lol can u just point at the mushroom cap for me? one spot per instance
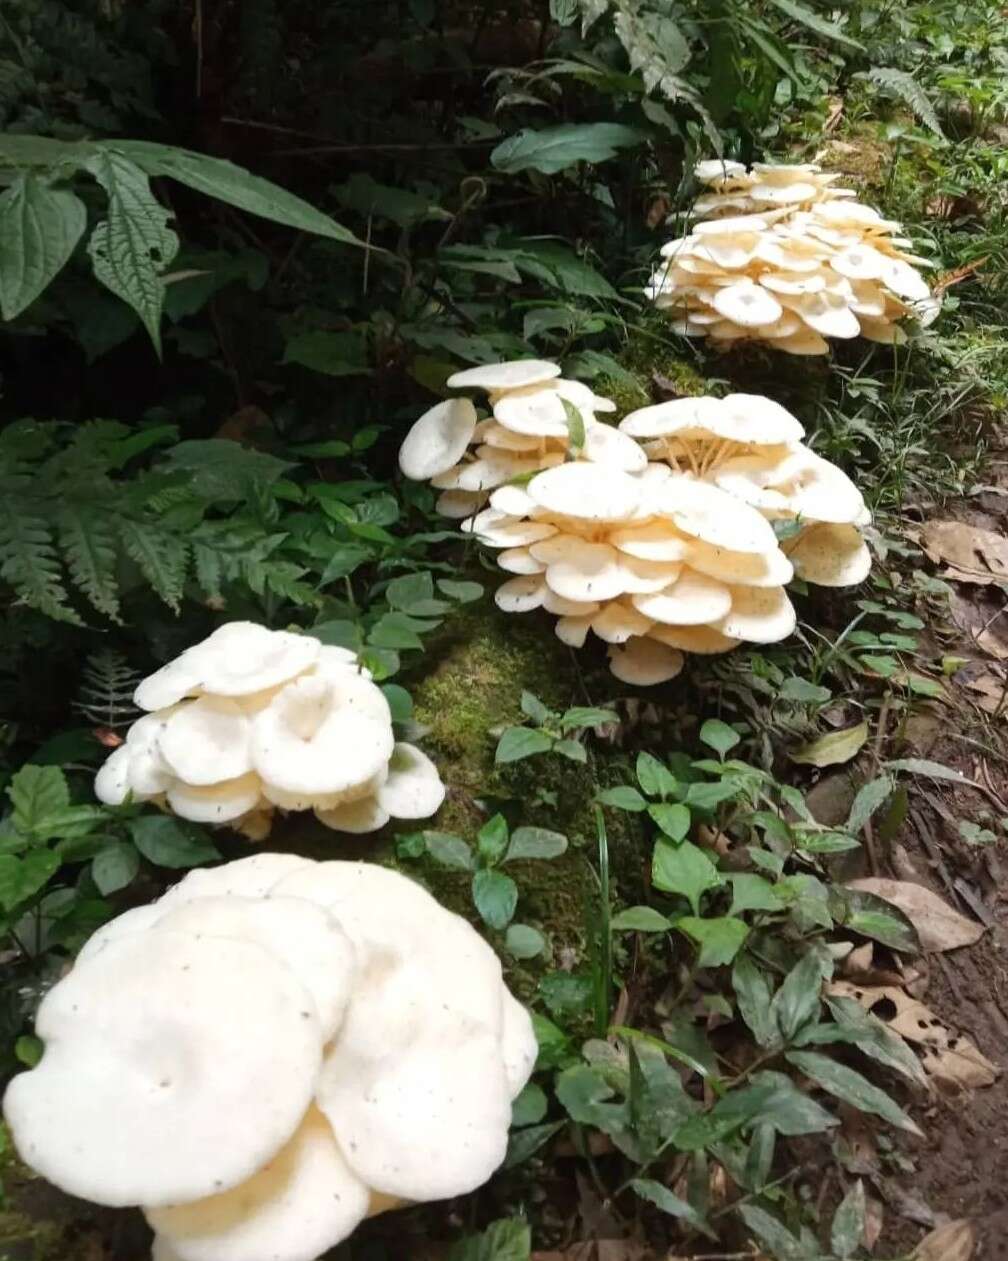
(561, 606)
(572, 631)
(830, 555)
(520, 595)
(363, 814)
(760, 615)
(692, 600)
(493, 468)
(655, 540)
(587, 492)
(157, 1085)
(609, 446)
(323, 735)
(757, 419)
(512, 501)
(710, 514)
(514, 374)
(826, 313)
(586, 572)
(818, 490)
(518, 1043)
(136, 920)
(747, 304)
(519, 560)
(496, 528)
(617, 622)
(304, 1202)
(207, 740)
(149, 773)
(457, 504)
(507, 440)
(111, 785)
(644, 662)
(296, 932)
(702, 640)
(438, 439)
(683, 417)
(237, 659)
(745, 569)
(214, 803)
(540, 413)
(583, 396)
(805, 342)
(715, 169)
(413, 789)
(251, 877)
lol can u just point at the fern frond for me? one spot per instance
(162, 558)
(29, 562)
(106, 691)
(904, 86)
(87, 537)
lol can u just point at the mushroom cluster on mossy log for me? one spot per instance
(251, 721)
(269, 1054)
(661, 536)
(781, 255)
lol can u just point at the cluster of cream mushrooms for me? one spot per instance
(781, 255)
(273, 1051)
(659, 535)
(251, 721)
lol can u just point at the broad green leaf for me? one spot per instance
(874, 1037)
(825, 842)
(797, 689)
(19, 150)
(565, 993)
(492, 839)
(640, 919)
(751, 892)
(496, 897)
(833, 749)
(39, 230)
(796, 1003)
(21, 878)
(523, 1144)
(169, 842)
(718, 736)
(872, 916)
(684, 869)
(529, 1107)
(114, 867)
(759, 1158)
(774, 1235)
(788, 1110)
(571, 749)
(133, 245)
(870, 796)
(506, 1240)
(414, 594)
(554, 149)
(752, 996)
(532, 707)
(821, 26)
(720, 939)
(533, 842)
(622, 798)
(586, 1096)
(847, 1230)
(850, 1087)
(575, 427)
(517, 743)
(232, 184)
(586, 716)
(554, 1045)
(661, 1197)
(921, 766)
(702, 796)
(37, 792)
(463, 592)
(655, 779)
(400, 702)
(448, 850)
(524, 942)
(333, 354)
(673, 820)
(399, 631)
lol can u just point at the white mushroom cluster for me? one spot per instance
(781, 255)
(269, 1054)
(250, 721)
(676, 532)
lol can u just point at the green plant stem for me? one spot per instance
(603, 979)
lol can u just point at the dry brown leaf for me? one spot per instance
(874, 1220)
(955, 1241)
(989, 692)
(938, 925)
(948, 1057)
(971, 553)
(859, 961)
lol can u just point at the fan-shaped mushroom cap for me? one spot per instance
(207, 740)
(413, 789)
(781, 282)
(747, 304)
(818, 490)
(826, 313)
(761, 615)
(617, 622)
(507, 440)
(753, 418)
(512, 501)
(214, 803)
(519, 1048)
(746, 569)
(494, 468)
(586, 492)
(519, 560)
(495, 528)
(438, 439)
(363, 814)
(642, 577)
(295, 931)
(572, 631)
(305, 1201)
(540, 413)
(805, 342)
(582, 396)
(149, 773)
(237, 659)
(561, 606)
(644, 662)
(732, 227)
(586, 572)
(655, 540)
(136, 920)
(707, 513)
(207, 1099)
(716, 169)
(692, 600)
(702, 640)
(514, 374)
(682, 417)
(830, 555)
(608, 446)
(251, 877)
(520, 595)
(323, 735)
(111, 784)
(457, 504)
(882, 331)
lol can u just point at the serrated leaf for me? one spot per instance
(850, 1087)
(529, 1107)
(87, 536)
(683, 869)
(905, 86)
(133, 245)
(554, 149)
(821, 26)
(586, 716)
(39, 229)
(36, 793)
(169, 842)
(521, 742)
(161, 557)
(506, 1240)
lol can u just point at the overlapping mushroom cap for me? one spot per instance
(272, 1052)
(783, 256)
(658, 536)
(253, 720)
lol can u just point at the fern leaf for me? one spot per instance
(162, 558)
(106, 692)
(909, 91)
(29, 562)
(87, 537)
